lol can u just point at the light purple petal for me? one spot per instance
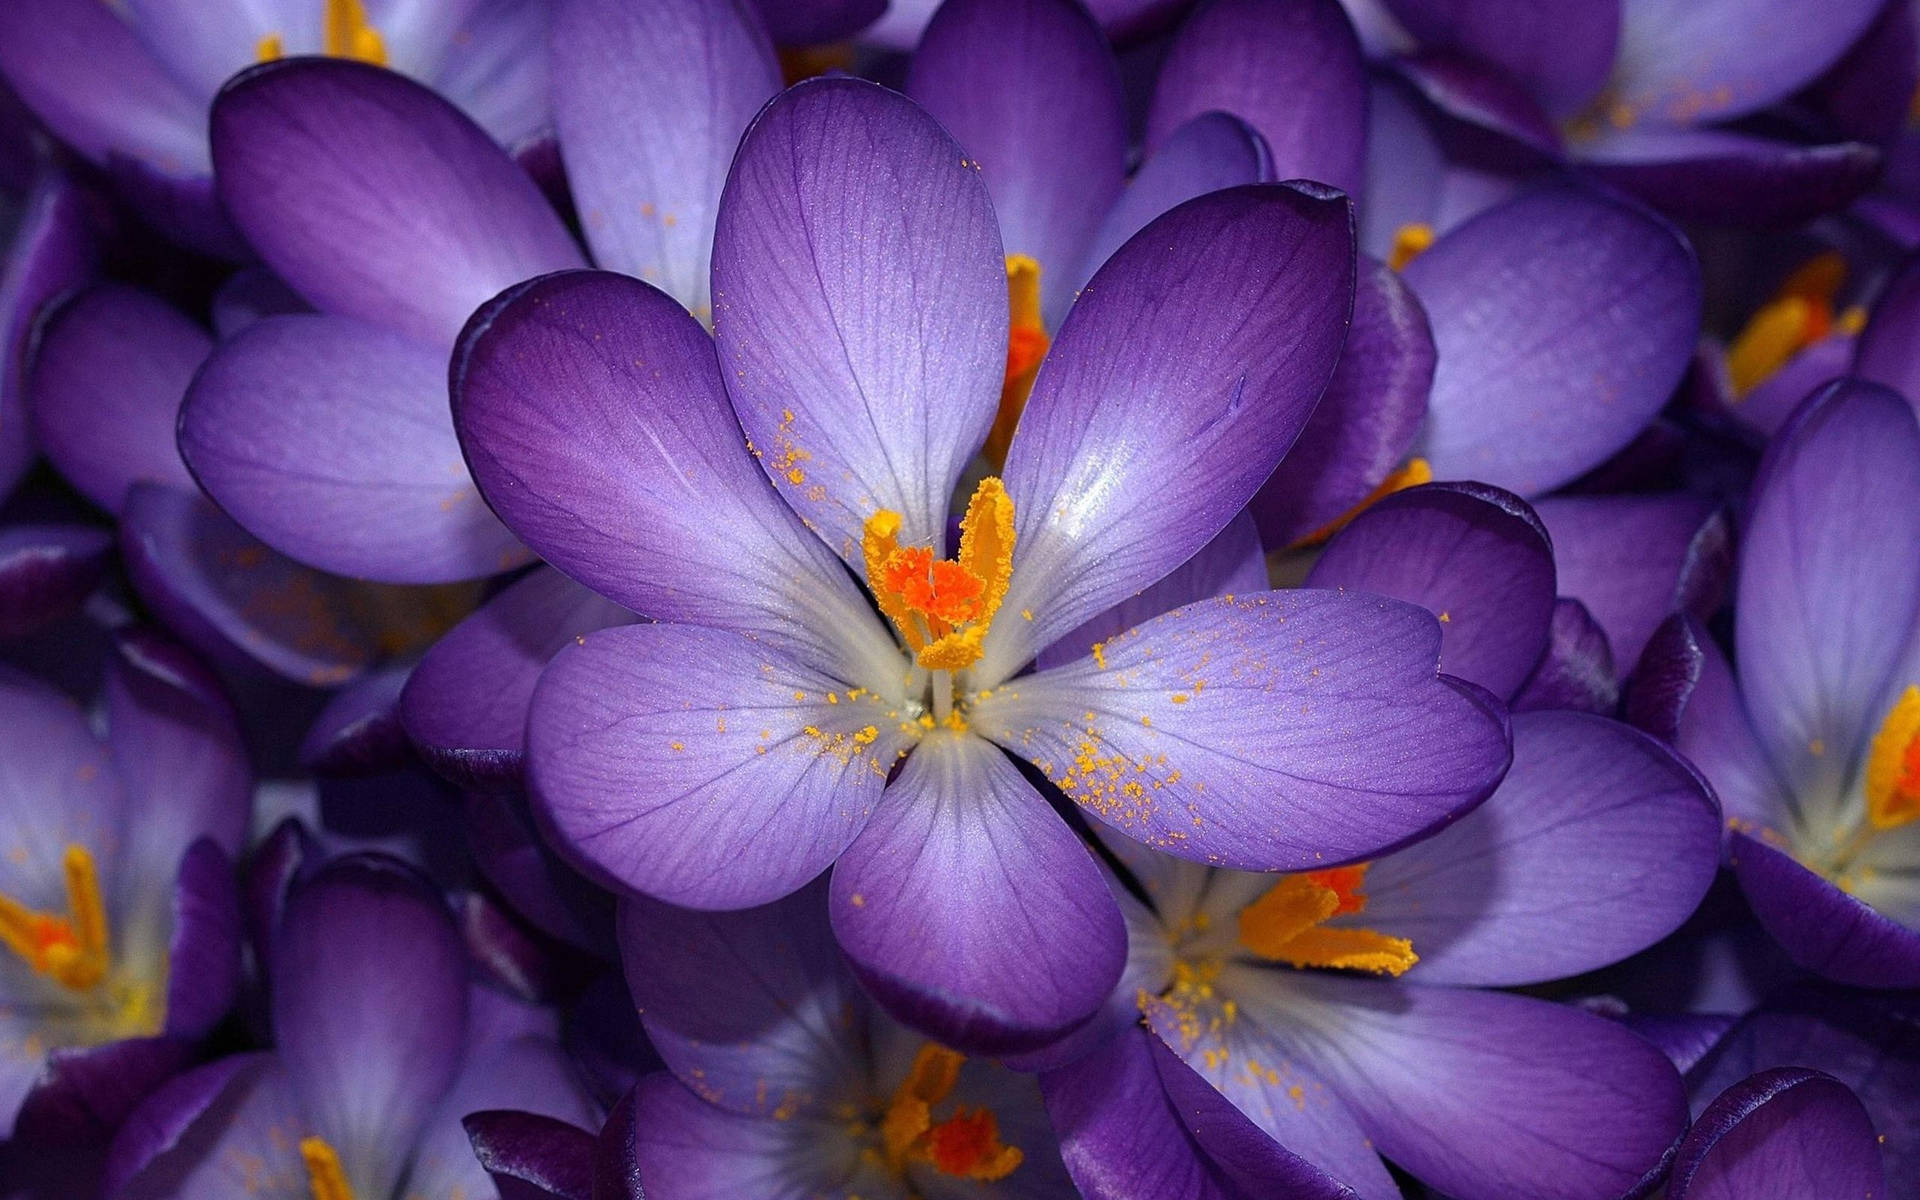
(47, 572)
(1777, 1135)
(1476, 557)
(488, 67)
(1577, 670)
(1562, 55)
(1706, 720)
(1727, 176)
(1039, 942)
(860, 307)
(1821, 927)
(376, 199)
(1469, 91)
(1563, 320)
(1291, 68)
(532, 1074)
(650, 100)
(211, 1135)
(1598, 843)
(56, 788)
(591, 410)
(1270, 731)
(687, 1149)
(1031, 92)
(329, 439)
(1222, 320)
(701, 767)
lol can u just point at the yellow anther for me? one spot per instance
(269, 48)
(324, 1174)
(943, 607)
(1799, 314)
(348, 34)
(966, 1145)
(1416, 472)
(1893, 765)
(1287, 924)
(72, 948)
(1410, 241)
(1027, 345)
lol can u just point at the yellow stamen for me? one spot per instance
(1893, 765)
(1799, 314)
(72, 949)
(1410, 241)
(1027, 344)
(1287, 924)
(804, 62)
(943, 607)
(269, 48)
(1416, 472)
(966, 1145)
(348, 34)
(324, 1174)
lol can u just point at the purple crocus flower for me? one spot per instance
(1814, 743)
(128, 85)
(381, 1046)
(730, 753)
(787, 1081)
(119, 915)
(1598, 843)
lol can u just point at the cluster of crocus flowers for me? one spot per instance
(959, 599)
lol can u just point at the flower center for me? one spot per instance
(345, 32)
(1027, 344)
(1288, 924)
(943, 607)
(325, 1176)
(1799, 314)
(966, 1145)
(70, 948)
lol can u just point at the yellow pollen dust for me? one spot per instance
(1416, 472)
(1799, 314)
(1410, 241)
(70, 948)
(966, 1145)
(1288, 924)
(1027, 344)
(1893, 765)
(345, 32)
(324, 1174)
(943, 607)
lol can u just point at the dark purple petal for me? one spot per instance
(1291, 68)
(1223, 320)
(701, 767)
(616, 1167)
(533, 1156)
(376, 199)
(1781, 1134)
(1270, 731)
(1770, 402)
(1037, 945)
(359, 732)
(1888, 349)
(1860, 96)
(1725, 176)
(1561, 55)
(465, 704)
(1685, 692)
(215, 1134)
(531, 878)
(1632, 560)
(84, 1093)
(1466, 89)
(164, 1129)
(248, 295)
(634, 479)
(1563, 320)
(203, 958)
(1577, 670)
(1685, 1038)
(1597, 844)
(810, 22)
(529, 1071)
(1474, 556)
(1030, 91)
(647, 147)
(51, 251)
(1823, 928)
(47, 572)
(860, 307)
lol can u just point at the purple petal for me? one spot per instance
(1770, 402)
(248, 295)
(811, 22)
(1474, 556)
(1106, 503)
(1291, 68)
(621, 475)
(647, 147)
(1829, 587)
(1632, 560)
(860, 307)
(1406, 163)
(358, 732)
(376, 199)
(1031, 92)
(687, 1149)
(1709, 722)
(1821, 927)
(370, 1004)
(1888, 351)
(84, 1093)
(108, 376)
(616, 1165)
(1577, 670)
(702, 767)
(203, 959)
(491, 67)
(1780, 1134)
(1598, 843)
(1722, 175)
(1367, 421)
(754, 1008)
(1270, 731)
(465, 704)
(529, 1072)
(329, 439)
(530, 876)
(47, 572)
(50, 251)
(1563, 319)
(1471, 92)
(538, 1155)
(1562, 56)
(56, 788)
(1685, 62)
(213, 1134)
(1039, 943)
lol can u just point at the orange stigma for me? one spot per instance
(1893, 765)
(943, 607)
(1288, 924)
(1410, 241)
(1799, 314)
(70, 948)
(966, 1145)
(345, 32)
(325, 1177)
(1027, 344)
